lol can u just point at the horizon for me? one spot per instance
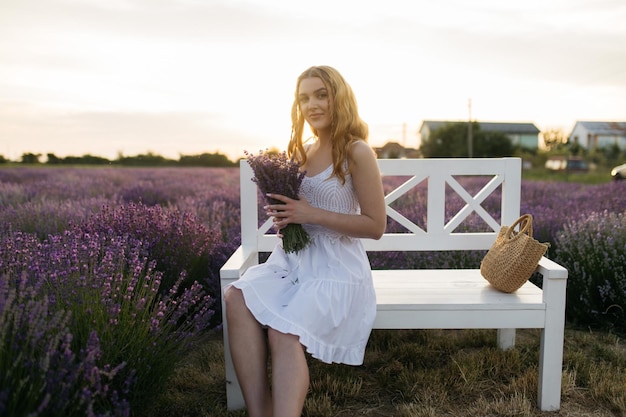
(231, 158)
(187, 77)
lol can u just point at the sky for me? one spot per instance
(184, 77)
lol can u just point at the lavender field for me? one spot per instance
(108, 276)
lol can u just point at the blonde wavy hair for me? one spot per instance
(346, 124)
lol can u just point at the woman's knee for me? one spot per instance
(233, 299)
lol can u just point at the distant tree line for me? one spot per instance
(143, 160)
(451, 141)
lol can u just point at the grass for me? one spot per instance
(598, 176)
(428, 373)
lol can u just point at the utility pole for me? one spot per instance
(404, 134)
(470, 146)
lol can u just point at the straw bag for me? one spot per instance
(513, 257)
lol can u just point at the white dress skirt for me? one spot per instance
(323, 294)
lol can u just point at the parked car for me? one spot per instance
(619, 172)
(571, 164)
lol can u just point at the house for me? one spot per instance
(593, 135)
(521, 134)
(393, 150)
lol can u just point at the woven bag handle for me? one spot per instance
(525, 223)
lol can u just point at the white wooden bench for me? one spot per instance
(437, 298)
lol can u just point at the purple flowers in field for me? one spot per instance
(109, 276)
(101, 301)
(97, 310)
(594, 248)
(42, 373)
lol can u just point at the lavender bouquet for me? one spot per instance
(277, 174)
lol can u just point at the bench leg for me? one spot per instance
(506, 338)
(234, 397)
(550, 370)
(551, 349)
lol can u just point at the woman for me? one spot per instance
(320, 298)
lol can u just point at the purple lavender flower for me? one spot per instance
(277, 174)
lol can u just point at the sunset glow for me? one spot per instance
(191, 76)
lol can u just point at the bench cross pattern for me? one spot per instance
(437, 298)
(437, 199)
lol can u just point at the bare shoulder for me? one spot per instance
(363, 161)
(361, 151)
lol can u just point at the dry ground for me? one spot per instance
(429, 373)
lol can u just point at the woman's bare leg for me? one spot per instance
(290, 374)
(248, 348)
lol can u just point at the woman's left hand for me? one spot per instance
(292, 211)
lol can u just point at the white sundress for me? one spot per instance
(324, 294)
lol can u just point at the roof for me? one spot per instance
(392, 146)
(526, 128)
(605, 128)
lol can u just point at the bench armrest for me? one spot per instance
(236, 265)
(550, 269)
(554, 284)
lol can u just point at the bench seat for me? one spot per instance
(452, 299)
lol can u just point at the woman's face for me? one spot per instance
(315, 103)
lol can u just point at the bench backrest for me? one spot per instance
(466, 201)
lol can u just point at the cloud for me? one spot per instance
(174, 20)
(572, 42)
